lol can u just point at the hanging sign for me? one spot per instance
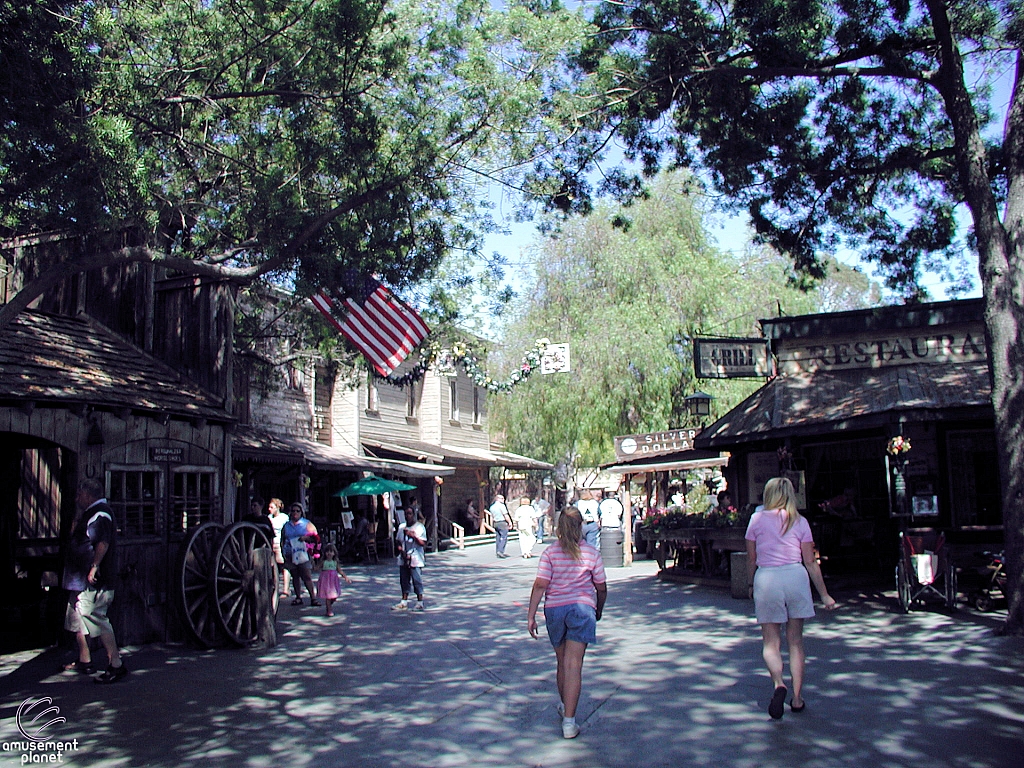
(628, 447)
(731, 358)
(555, 359)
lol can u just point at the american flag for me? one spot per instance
(380, 325)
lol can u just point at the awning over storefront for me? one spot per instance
(255, 445)
(821, 402)
(679, 462)
(461, 455)
(252, 444)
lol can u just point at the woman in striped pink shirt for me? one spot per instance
(570, 577)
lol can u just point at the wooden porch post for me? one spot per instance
(627, 521)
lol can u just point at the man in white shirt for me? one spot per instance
(501, 520)
(611, 512)
(412, 537)
(542, 507)
(588, 508)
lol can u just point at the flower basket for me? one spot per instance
(666, 521)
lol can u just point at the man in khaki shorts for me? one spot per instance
(89, 577)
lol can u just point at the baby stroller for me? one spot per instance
(993, 581)
(924, 569)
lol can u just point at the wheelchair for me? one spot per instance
(925, 569)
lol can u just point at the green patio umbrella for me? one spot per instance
(374, 486)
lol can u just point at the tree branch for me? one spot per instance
(203, 268)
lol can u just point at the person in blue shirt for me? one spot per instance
(294, 536)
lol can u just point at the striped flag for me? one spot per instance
(380, 325)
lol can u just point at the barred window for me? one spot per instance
(193, 499)
(134, 495)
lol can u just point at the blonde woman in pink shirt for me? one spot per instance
(780, 566)
(570, 577)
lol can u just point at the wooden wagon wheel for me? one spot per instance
(234, 582)
(197, 557)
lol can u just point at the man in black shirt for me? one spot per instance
(89, 577)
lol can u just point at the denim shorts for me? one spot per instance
(571, 622)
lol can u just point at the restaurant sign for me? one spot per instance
(630, 447)
(954, 346)
(731, 358)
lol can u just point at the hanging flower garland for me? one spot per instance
(531, 361)
(461, 354)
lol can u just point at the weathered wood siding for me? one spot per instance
(194, 332)
(345, 417)
(463, 432)
(49, 438)
(431, 406)
(457, 488)
(389, 421)
(282, 411)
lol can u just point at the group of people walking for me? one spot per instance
(529, 518)
(570, 580)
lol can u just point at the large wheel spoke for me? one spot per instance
(194, 592)
(233, 584)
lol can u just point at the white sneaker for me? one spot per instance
(570, 730)
(401, 605)
(419, 606)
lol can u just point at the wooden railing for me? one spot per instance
(453, 531)
(486, 522)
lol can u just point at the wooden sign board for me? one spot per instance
(173, 455)
(731, 358)
(555, 359)
(630, 447)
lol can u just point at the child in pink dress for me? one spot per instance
(329, 586)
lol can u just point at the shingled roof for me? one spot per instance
(821, 402)
(64, 360)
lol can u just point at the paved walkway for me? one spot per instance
(675, 680)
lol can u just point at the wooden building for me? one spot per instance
(853, 386)
(121, 373)
(307, 431)
(441, 418)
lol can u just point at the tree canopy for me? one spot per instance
(630, 301)
(309, 137)
(866, 122)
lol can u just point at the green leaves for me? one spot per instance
(298, 138)
(823, 120)
(629, 303)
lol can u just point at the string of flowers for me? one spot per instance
(461, 354)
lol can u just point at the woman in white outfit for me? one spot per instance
(526, 518)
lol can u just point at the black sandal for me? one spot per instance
(775, 708)
(315, 603)
(297, 601)
(82, 667)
